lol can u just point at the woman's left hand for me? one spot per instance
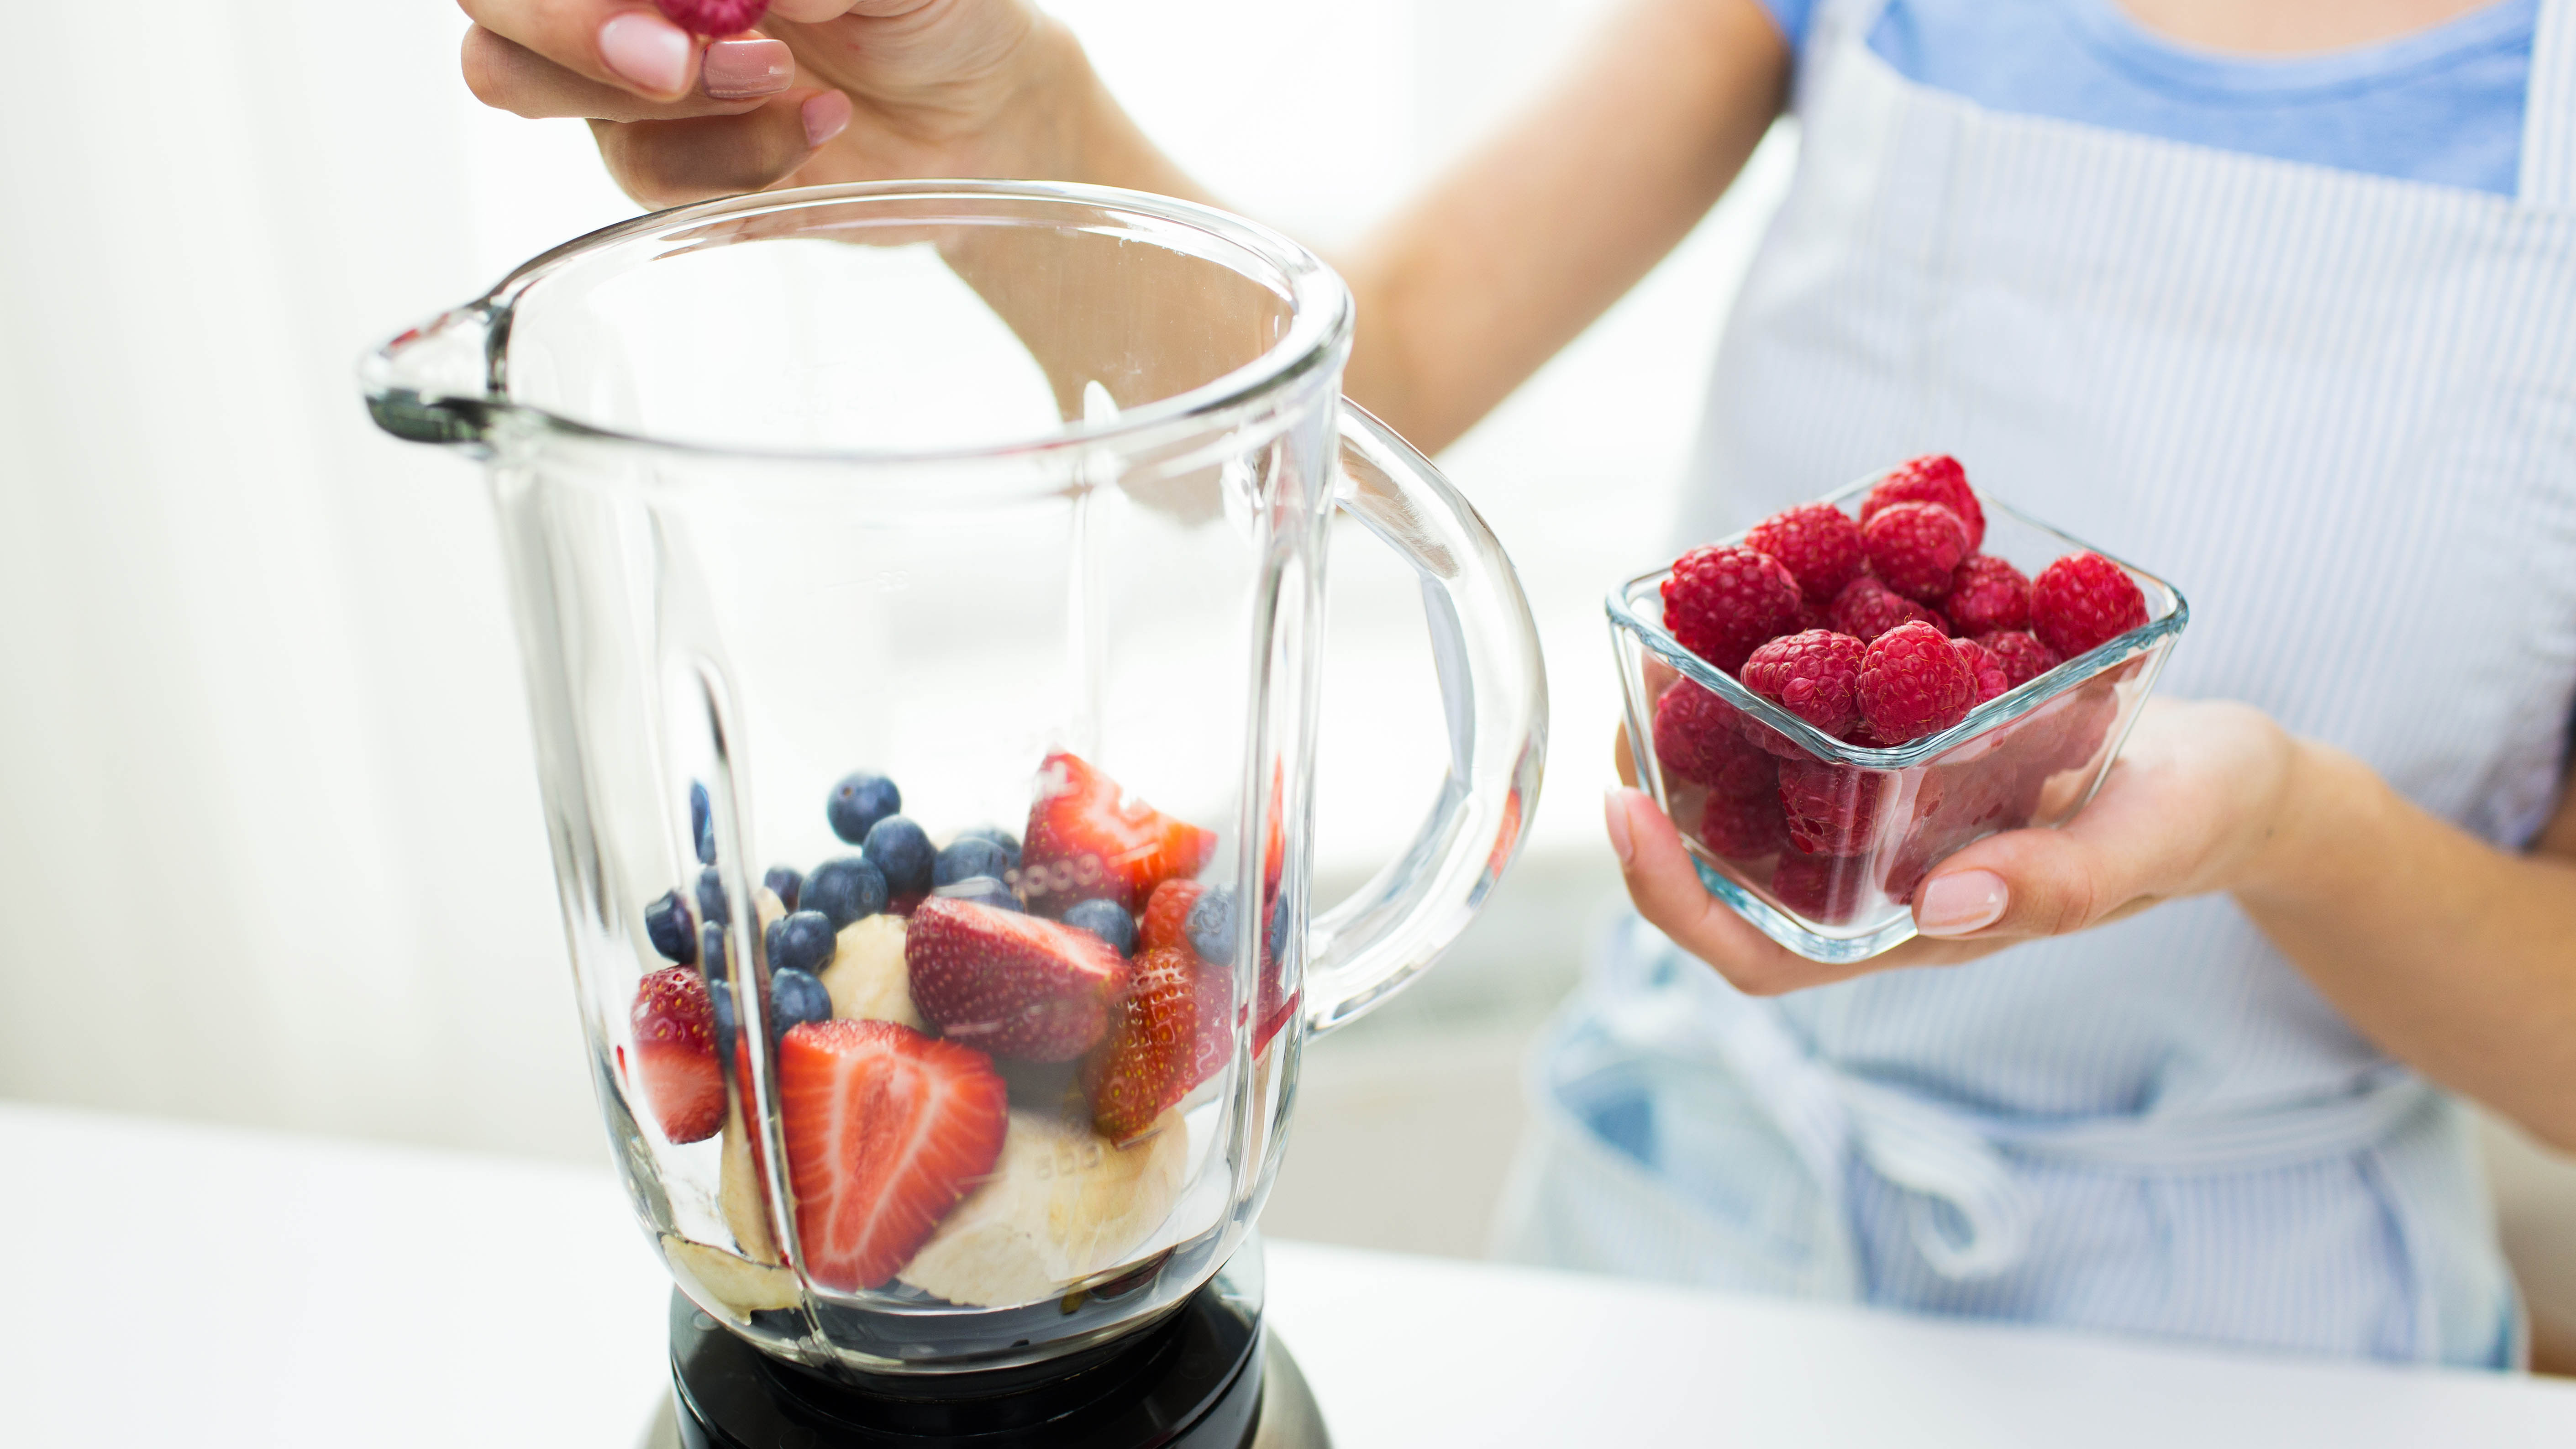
(2189, 808)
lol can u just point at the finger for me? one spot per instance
(619, 43)
(1666, 889)
(2100, 866)
(736, 76)
(813, 11)
(1625, 760)
(667, 163)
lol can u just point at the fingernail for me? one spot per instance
(1614, 815)
(647, 50)
(737, 70)
(826, 116)
(1960, 902)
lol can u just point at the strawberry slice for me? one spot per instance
(1087, 840)
(675, 1054)
(1172, 1030)
(1016, 985)
(1166, 918)
(887, 1131)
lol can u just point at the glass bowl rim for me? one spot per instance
(2004, 708)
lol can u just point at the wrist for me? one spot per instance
(2320, 826)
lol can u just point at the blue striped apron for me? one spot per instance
(2340, 411)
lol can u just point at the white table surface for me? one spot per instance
(173, 1284)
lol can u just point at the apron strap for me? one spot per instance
(2549, 111)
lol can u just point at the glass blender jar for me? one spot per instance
(920, 587)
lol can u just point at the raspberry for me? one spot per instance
(1723, 602)
(1816, 542)
(1697, 738)
(1932, 478)
(712, 18)
(1913, 548)
(2024, 658)
(1823, 888)
(1743, 829)
(1831, 809)
(1812, 615)
(1913, 683)
(1867, 608)
(1810, 675)
(1987, 594)
(1988, 671)
(2082, 600)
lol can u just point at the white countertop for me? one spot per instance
(178, 1284)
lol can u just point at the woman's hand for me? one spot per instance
(830, 90)
(2193, 805)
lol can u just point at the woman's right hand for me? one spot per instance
(825, 91)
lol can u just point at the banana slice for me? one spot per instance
(738, 1194)
(867, 977)
(1063, 1203)
(741, 1286)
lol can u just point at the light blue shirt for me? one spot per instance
(2444, 105)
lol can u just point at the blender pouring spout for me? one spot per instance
(439, 382)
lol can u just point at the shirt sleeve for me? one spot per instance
(1792, 17)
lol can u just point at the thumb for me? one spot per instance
(668, 163)
(2023, 883)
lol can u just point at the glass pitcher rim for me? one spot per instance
(1319, 301)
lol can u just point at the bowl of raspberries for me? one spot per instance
(1831, 702)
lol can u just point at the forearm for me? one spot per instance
(1478, 282)
(2453, 955)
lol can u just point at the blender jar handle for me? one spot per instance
(433, 384)
(1493, 687)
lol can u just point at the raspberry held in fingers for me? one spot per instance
(712, 18)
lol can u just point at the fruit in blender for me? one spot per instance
(1086, 840)
(785, 882)
(1012, 984)
(1059, 1205)
(1105, 920)
(796, 997)
(1153, 1054)
(845, 890)
(670, 927)
(868, 978)
(800, 941)
(675, 1054)
(858, 802)
(1165, 919)
(887, 1130)
(902, 853)
(967, 857)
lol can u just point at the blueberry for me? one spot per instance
(800, 942)
(1107, 920)
(845, 890)
(711, 951)
(702, 824)
(1010, 843)
(1211, 927)
(901, 850)
(720, 996)
(983, 890)
(784, 882)
(1279, 928)
(967, 857)
(674, 932)
(795, 997)
(711, 898)
(858, 803)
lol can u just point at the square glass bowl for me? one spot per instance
(2031, 756)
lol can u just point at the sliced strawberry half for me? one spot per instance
(887, 1131)
(1172, 1031)
(1165, 920)
(1011, 984)
(675, 1054)
(1087, 840)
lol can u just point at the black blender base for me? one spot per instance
(1207, 1378)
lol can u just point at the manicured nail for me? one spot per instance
(647, 50)
(826, 116)
(1960, 902)
(1614, 815)
(737, 70)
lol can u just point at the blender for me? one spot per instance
(920, 588)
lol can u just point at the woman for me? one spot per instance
(2274, 295)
